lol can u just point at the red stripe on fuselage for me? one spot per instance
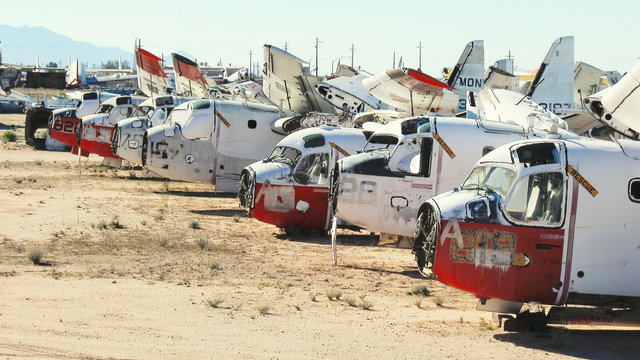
(512, 263)
(276, 204)
(97, 139)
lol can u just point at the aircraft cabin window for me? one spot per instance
(313, 169)
(537, 198)
(538, 154)
(252, 124)
(634, 190)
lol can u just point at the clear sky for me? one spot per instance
(605, 31)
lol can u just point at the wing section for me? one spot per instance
(619, 105)
(412, 91)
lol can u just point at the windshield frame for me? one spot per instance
(475, 185)
(277, 155)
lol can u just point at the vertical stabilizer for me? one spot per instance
(189, 79)
(552, 86)
(288, 81)
(468, 73)
(152, 80)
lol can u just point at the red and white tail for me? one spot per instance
(152, 80)
(189, 79)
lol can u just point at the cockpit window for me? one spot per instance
(286, 155)
(313, 169)
(381, 142)
(537, 198)
(158, 117)
(538, 154)
(104, 109)
(492, 178)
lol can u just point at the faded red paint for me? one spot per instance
(487, 277)
(314, 218)
(101, 143)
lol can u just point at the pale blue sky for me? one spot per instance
(604, 31)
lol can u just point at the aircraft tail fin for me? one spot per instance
(287, 78)
(151, 78)
(468, 73)
(188, 77)
(500, 76)
(552, 86)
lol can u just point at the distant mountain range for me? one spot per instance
(20, 45)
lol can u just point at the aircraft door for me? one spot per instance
(311, 178)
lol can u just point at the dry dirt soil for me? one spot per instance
(139, 268)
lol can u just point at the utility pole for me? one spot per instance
(420, 47)
(316, 57)
(394, 60)
(250, 63)
(286, 48)
(352, 50)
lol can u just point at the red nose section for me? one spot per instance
(503, 262)
(97, 139)
(64, 130)
(292, 206)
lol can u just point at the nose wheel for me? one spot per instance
(244, 190)
(426, 235)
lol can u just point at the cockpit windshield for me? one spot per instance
(285, 154)
(104, 109)
(492, 178)
(158, 117)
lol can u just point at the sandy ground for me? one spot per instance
(127, 274)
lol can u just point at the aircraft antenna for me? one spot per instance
(420, 47)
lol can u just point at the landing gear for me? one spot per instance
(424, 246)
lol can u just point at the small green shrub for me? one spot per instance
(350, 300)
(313, 296)
(163, 242)
(215, 302)
(18, 180)
(214, 265)
(202, 243)
(438, 300)
(9, 136)
(264, 309)
(418, 303)
(102, 225)
(35, 256)
(419, 290)
(115, 223)
(333, 293)
(365, 305)
(194, 224)
(236, 218)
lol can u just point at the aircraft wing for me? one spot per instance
(512, 107)
(288, 82)
(152, 80)
(189, 78)
(412, 91)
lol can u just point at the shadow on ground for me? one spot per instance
(580, 343)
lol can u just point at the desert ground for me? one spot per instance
(133, 267)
